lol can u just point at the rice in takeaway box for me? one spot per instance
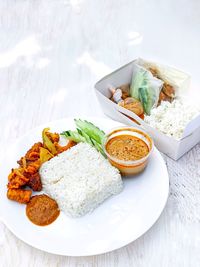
(152, 95)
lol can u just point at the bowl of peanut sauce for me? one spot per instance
(128, 149)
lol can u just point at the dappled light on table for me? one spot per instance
(26, 48)
(135, 38)
(96, 67)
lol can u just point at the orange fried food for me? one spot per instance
(32, 154)
(164, 97)
(19, 195)
(16, 178)
(32, 168)
(35, 182)
(61, 149)
(168, 90)
(133, 105)
(31, 172)
(27, 174)
(34, 148)
(54, 137)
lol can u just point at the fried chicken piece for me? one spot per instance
(31, 172)
(19, 195)
(168, 90)
(164, 97)
(22, 162)
(34, 148)
(35, 182)
(32, 154)
(32, 168)
(125, 90)
(17, 179)
(133, 105)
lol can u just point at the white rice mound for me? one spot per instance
(79, 179)
(172, 118)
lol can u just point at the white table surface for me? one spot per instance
(51, 54)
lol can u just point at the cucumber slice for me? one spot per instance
(88, 133)
(74, 136)
(91, 130)
(87, 138)
(98, 147)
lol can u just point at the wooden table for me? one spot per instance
(51, 54)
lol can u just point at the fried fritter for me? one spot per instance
(35, 182)
(19, 195)
(32, 168)
(16, 178)
(32, 154)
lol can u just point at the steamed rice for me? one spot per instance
(79, 179)
(172, 118)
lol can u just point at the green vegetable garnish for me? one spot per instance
(90, 129)
(144, 98)
(74, 136)
(88, 133)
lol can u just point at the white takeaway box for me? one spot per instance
(168, 145)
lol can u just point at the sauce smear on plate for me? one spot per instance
(42, 210)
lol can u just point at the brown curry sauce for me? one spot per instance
(42, 210)
(127, 147)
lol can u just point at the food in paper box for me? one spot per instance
(146, 88)
(153, 95)
(127, 102)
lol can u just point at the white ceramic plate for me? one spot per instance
(118, 221)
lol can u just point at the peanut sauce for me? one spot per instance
(42, 210)
(127, 147)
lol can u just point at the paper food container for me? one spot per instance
(170, 146)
